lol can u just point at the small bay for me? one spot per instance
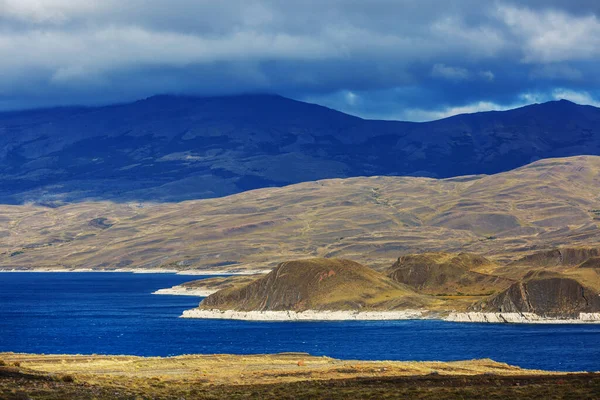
(115, 313)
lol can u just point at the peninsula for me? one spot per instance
(453, 287)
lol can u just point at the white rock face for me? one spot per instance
(309, 315)
(520, 318)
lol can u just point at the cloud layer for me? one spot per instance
(406, 59)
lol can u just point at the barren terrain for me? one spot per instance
(544, 205)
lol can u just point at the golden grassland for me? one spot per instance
(370, 220)
(245, 369)
(287, 375)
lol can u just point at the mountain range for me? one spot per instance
(173, 148)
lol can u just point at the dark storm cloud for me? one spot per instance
(415, 59)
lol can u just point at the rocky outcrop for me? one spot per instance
(446, 273)
(593, 262)
(544, 294)
(317, 284)
(568, 256)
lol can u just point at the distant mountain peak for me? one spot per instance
(175, 97)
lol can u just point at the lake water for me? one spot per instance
(115, 313)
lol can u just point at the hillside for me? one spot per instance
(447, 274)
(504, 217)
(169, 148)
(207, 286)
(564, 256)
(546, 294)
(317, 284)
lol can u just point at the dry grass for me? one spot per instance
(370, 220)
(283, 376)
(318, 284)
(248, 369)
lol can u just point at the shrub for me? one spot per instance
(67, 378)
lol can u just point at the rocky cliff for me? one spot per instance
(545, 294)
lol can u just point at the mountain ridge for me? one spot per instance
(172, 148)
(373, 221)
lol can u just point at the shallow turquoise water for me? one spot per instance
(115, 313)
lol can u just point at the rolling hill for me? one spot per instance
(447, 274)
(317, 284)
(170, 148)
(545, 205)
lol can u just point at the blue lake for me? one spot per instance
(115, 313)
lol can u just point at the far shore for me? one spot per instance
(190, 272)
(183, 291)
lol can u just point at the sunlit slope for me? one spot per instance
(318, 284)
(448, 274)
(504, 217)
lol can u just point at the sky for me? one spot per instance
(390, 59)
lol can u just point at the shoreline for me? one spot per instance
(316, 315)
(309, 315)
(189, 272)
(520, 318)
(182, 291)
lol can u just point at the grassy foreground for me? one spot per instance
(280, 376)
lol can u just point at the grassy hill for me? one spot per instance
(317, 284)
(448, 274)
(563, 256)
(219, 282)
(504, 217)
(439, 282)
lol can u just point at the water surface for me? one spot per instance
(115, 313)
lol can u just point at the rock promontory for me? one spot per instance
(545, 294)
